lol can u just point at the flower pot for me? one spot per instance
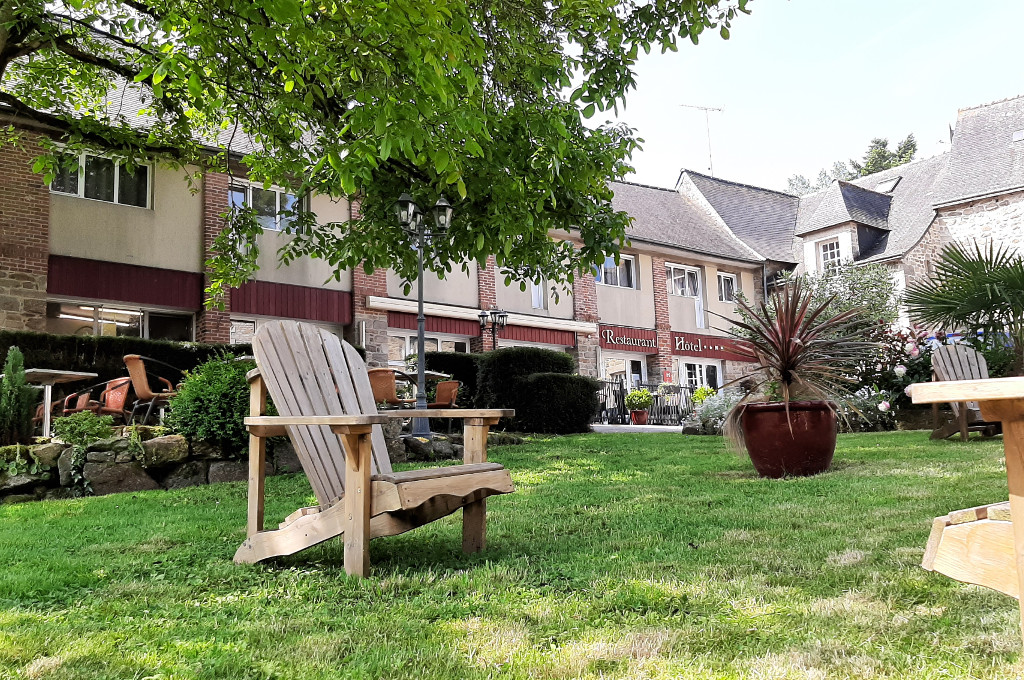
(638, 417)
(776, 450)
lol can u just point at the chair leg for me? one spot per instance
(962, 420)
(149, 412)
(474, 515)
(358, 454)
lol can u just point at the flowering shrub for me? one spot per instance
(702, 393)
(868, 410)
(715, 408)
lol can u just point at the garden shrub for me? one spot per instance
(556, 403)
(868, 410)
(17, 401)
(105, 354)
(460, 366)
(80, 430)
(212, 404)
(501, 371)
(701, 394)
(715, 409)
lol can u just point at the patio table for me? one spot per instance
(48, 377)
(1000, 399)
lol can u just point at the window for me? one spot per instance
(85, 318)
(694, 374)
(829, 254)
(270, 205)
(539, 293)
(402, 346)
(684, 281)
(103, 179)
(622, 274)
(727, 286)
(1018, 136)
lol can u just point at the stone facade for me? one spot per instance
(24, 237)
(998, 218)
(918, 261)
(214, 325)
(369, 326)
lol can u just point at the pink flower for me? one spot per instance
(906, 390)
(912, 350)
(884, 406)
(900, 370)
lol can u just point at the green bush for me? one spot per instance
(83, 428)
(556, 403)
(213, 403)
(639, 400)
(702, 393)
(502, 370)
(17, 401)
(104, 355)
(460, 366)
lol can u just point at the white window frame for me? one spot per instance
(725, 276)
(698, 298)
(627, 358)
(539, 294)
(410, 343)
(247, 186)
(823, 263)
(681, 371)
(634, 269)
(117, 180)
(96, 309)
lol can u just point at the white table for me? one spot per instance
(48, 377)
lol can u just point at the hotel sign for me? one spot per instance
(706, 346)
(642, 340)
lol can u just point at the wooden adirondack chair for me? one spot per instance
(959, 362)
(321, 390)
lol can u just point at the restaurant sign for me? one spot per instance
(641, 340)
(707, 346)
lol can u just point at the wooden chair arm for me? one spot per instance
(274, 426)
(464, 413)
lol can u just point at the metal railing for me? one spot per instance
(672, 403)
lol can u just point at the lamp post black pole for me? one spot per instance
(420, 426)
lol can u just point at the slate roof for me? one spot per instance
(984, 159)
(845, 202)
(762, 218)
(666, 217)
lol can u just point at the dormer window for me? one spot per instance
(886, 186)
(1018, 135)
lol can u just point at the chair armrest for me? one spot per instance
(464, 413)
(273, 426)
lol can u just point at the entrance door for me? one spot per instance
(636, 372)
(630, 369)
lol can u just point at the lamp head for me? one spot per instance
(484, 315)
(500, 317)
(442, 212)
(406, 209)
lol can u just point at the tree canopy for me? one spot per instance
(483, 101)
(878, 157)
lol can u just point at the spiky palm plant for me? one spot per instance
(974, 288)
(799, 352)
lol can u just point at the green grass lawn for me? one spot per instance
(619, 556)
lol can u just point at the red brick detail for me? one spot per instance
(24, 237)
(370, 326)
(656, 365)
(293, 302)
(214, 325)
(584, 298)
(487, 297)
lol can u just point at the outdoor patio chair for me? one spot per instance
(114, 398)
(80, 401)
(446, 394)
(385, 389)
(960, 362)
(145, 397)
(321, 389)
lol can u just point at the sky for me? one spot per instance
(803, 83)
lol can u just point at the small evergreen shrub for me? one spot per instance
(556, 403)
(701, 394)
(639, 400)
(213, 403)
(715, 409)
(17, 401)
(460, 366)
(83, 428)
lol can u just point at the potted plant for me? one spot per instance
(638, 401)
(803, 360)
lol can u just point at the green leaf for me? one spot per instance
(195, 87)
(588, 112)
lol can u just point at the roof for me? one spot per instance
(845, 202)
(984, 159)
(666, 217)
(762, 218)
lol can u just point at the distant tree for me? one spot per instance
(878, 157)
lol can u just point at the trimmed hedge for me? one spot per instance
(462, 367)
(105, 355)
(502, 369)
(556, 403)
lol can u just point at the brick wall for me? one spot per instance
(917, 263)
(24, 237)
(374, 322)
(656, 363)
(213, 325)
(487, 298)
(584, 308)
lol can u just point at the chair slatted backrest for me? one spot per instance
(309, 371)
(960, 362)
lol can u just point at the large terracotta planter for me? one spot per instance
(638, 417)
(776, 451)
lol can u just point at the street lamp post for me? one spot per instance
(411, 218)
(497, 318)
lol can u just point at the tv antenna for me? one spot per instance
(707, 124)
